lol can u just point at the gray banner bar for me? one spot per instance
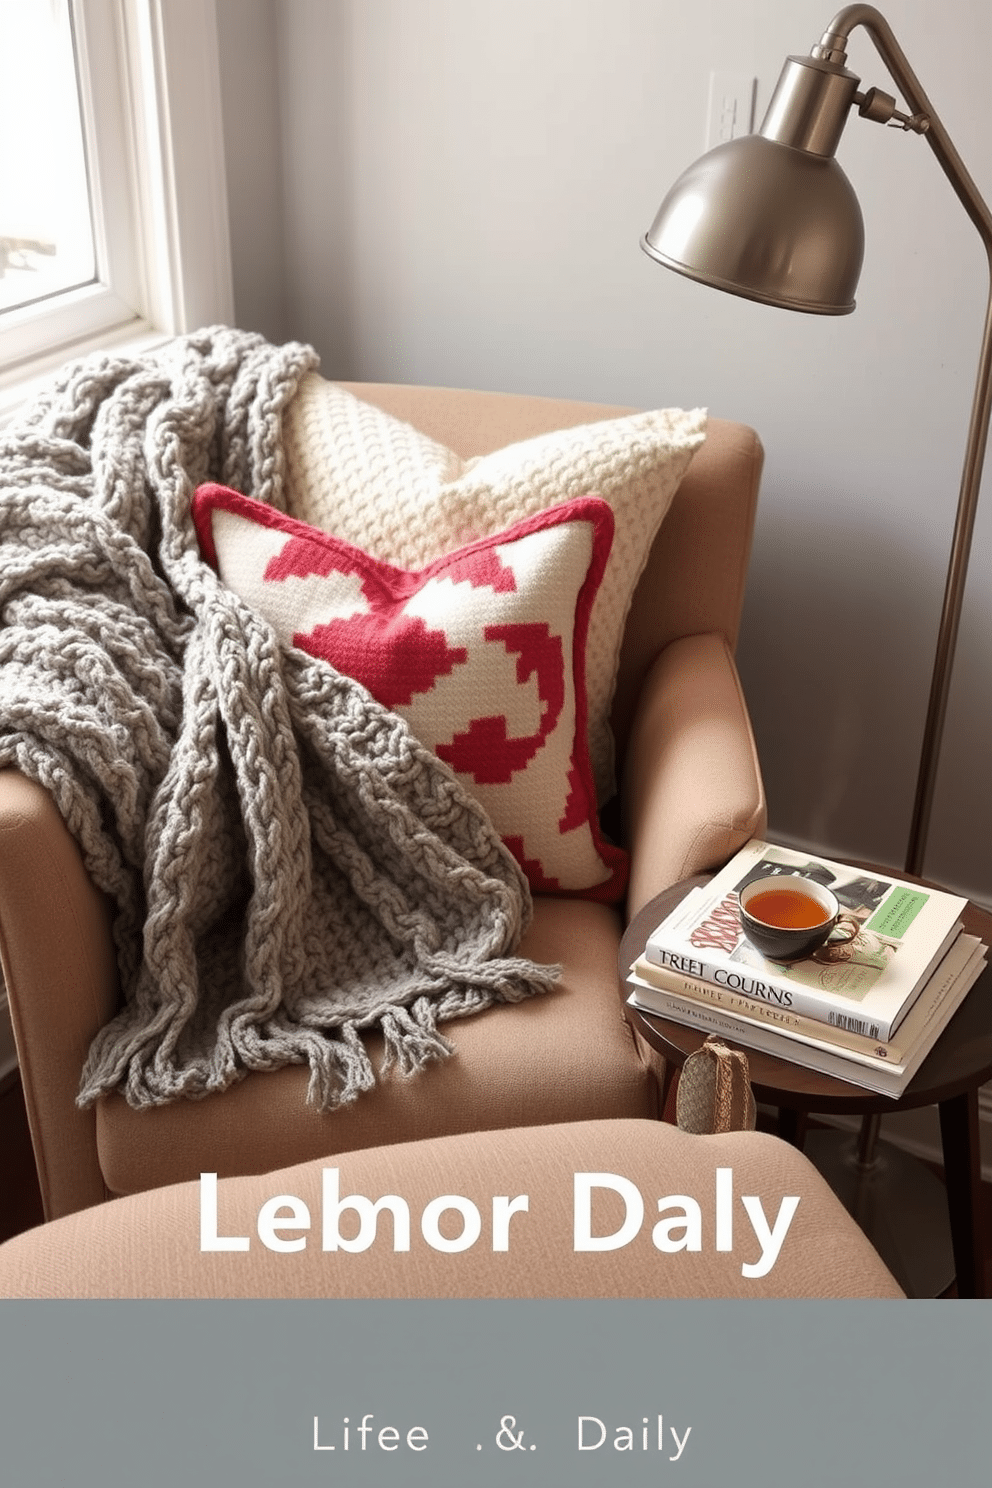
(455, 1394)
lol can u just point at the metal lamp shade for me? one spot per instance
(766, 221)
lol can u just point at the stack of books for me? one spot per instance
(868, 1010)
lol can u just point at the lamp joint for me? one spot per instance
(880, 108)
(832, 47)
(917, 123)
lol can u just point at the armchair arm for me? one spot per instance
(61, 975)
(691, 792)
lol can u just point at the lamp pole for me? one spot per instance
(772, 217)
(926, 122)
(833, 47)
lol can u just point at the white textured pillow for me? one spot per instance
(381, 485)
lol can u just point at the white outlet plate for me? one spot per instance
(731, 107)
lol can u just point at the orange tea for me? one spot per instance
(787, 909)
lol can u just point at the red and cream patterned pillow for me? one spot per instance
(381, 484)
(481, 651)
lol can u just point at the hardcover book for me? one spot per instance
(885, 1068)
(864, 986)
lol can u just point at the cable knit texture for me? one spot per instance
(388, 488)
(289, 865)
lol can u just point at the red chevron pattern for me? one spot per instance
(483, 653)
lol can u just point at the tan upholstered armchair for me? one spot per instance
(690, 794)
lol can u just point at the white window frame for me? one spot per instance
(150, 73)
(150, 81)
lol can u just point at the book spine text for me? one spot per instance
(805, 1001)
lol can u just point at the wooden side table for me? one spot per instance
(949, 1078)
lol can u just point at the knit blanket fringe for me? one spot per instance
(288, 866)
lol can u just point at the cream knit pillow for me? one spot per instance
(380, 484)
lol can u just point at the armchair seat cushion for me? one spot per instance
(565, 1056)
(147, 1245)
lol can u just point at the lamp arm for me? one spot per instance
(835, 40)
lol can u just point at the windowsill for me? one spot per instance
(21, 384)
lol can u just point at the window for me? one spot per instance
(113, 210)
(46, 228)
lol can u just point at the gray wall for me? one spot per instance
(452, 191)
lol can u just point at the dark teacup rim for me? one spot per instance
(779, 881)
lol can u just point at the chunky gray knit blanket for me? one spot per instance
(289, 865)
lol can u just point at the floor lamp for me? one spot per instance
(772, 217)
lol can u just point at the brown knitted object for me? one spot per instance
(714, 1092)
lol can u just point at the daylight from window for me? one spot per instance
(46, 235)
